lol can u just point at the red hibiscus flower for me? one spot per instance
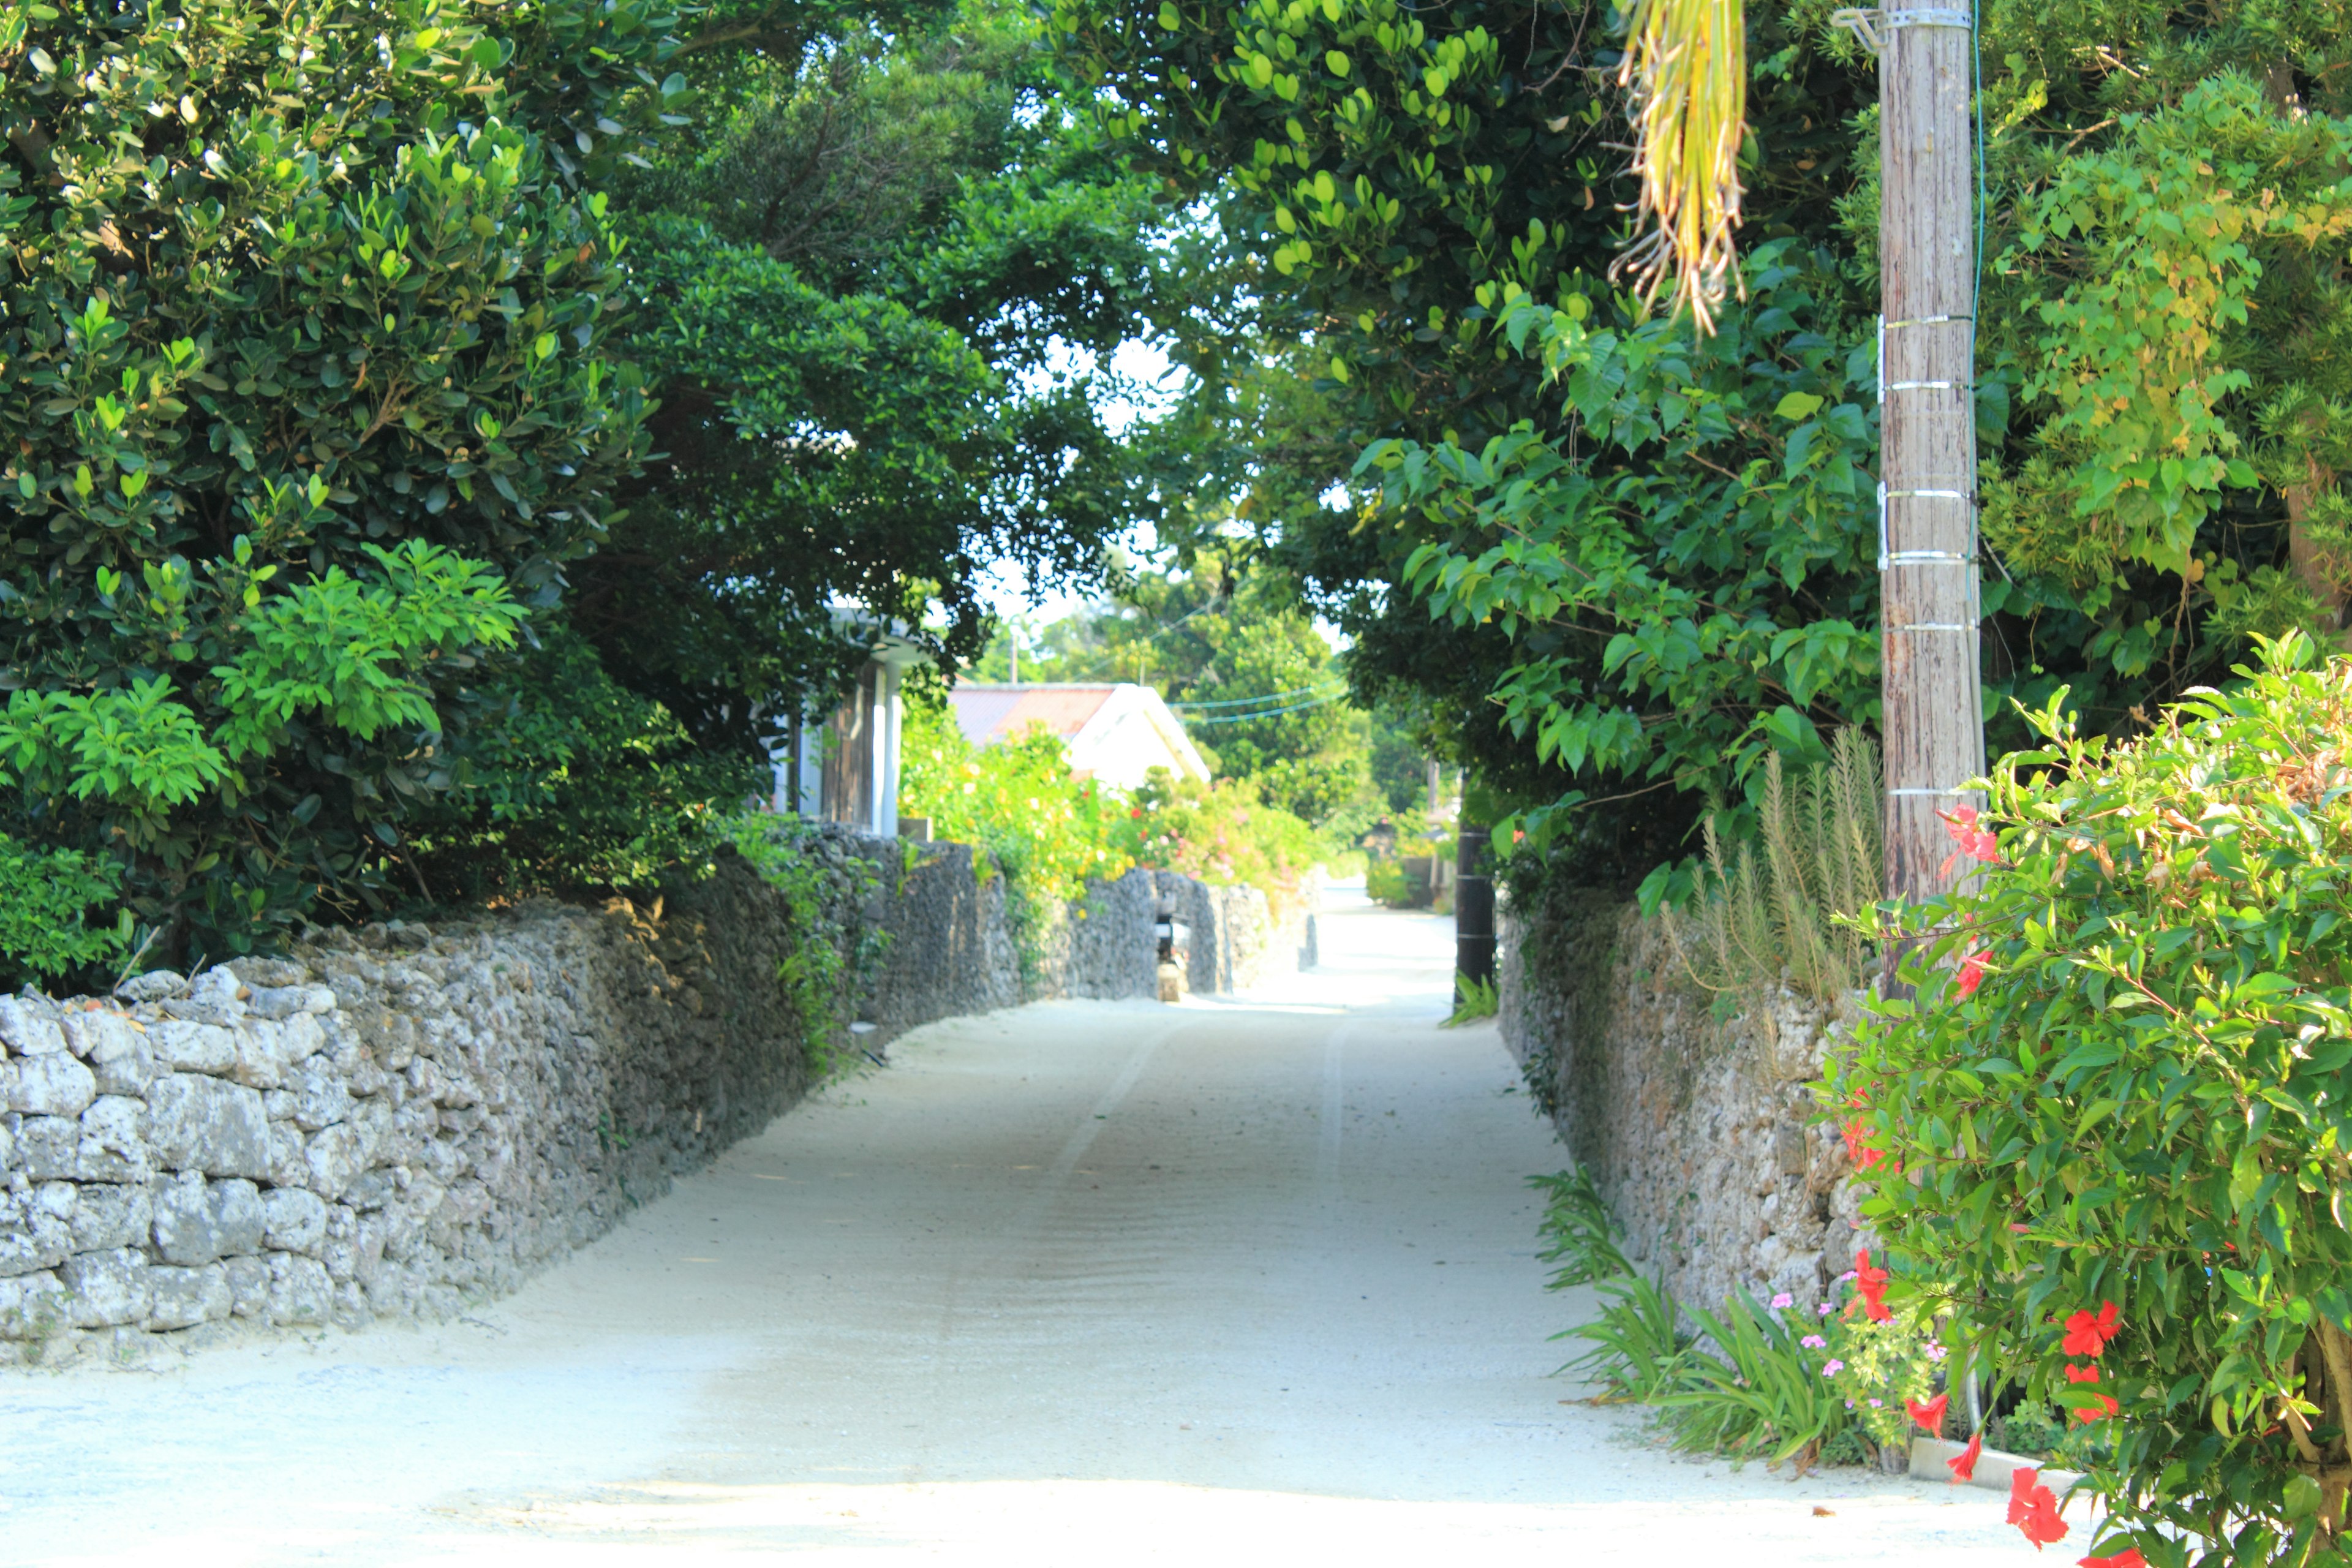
(1863, 1155)
(2033, 1508)
(2087, 1335)
(1872, 1283)
(1973, 973)
(1928, 1413)
(1964, 1465)
(2103, 1405)
(2128, 1557)
(1975, 842)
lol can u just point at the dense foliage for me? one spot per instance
(305, 372)
(1651, 555)
(879, 281)
(440, 437)
(2121, 1095)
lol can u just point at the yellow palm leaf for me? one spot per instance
(1686, 69)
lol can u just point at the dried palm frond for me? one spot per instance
(1686, 69)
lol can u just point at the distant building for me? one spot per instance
(1116, 733)
(843, 768)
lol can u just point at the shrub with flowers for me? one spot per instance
(1220, 833)
(1049, 831)
(2116, 1120)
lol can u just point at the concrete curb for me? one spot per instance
(1931, 1456)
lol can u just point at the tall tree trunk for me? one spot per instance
(1934, 714)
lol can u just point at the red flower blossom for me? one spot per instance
(1863, 1155)
(2087, 1335)
(2103, 1404)
(1871, 1284)
(2033, 1508)
(1929, 1413)
(1977, 843)
(1964, 1466)
(2128, 1557)
(1973, 973)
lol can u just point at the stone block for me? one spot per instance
(297, 1220)
(104, 1289)
(261, 1055)
(100, 1035)
(52, 1084)
(321, 1099)
(1788, 1149)
(30, 1028)
(219, 988)
(198, 1221)
(300, 1294)
(129, 1074)
(289, 1001)
(155, 985)
(32, 1306)
(49, 1147)
(114, 1146)
(36, 1228)
(373, 1191)
(107, 1215)
(193, 1046)
(341, 1154)
(200, 1123)
(271, 974)
(248, 1286)
(182, 1298)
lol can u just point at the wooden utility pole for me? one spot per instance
(1934, 712)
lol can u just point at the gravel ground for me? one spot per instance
(1084, 1282)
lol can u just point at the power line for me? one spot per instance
(1243, 701)
(1271, 713)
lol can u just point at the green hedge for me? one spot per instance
(2127, 1079)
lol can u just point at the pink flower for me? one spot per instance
(1824, 1309)
(1937, 1352)
(1814, 1342)
(1783, 1300)
(1831, 1367)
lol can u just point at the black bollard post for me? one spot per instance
(1474, 911)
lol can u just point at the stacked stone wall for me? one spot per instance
(1699, 1129)
(402, 1119)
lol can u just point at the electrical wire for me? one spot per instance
(1246, 718)
(1244, 701)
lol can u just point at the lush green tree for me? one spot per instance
(1393, 181)
(307, 391)
(881, 276)
(1431, 200)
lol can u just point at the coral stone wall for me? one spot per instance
(1698, 1129)
(399, 1121)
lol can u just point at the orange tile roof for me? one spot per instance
(987, 714)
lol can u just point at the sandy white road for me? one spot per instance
(1237, 1281)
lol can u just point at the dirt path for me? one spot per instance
(1093, 1282)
